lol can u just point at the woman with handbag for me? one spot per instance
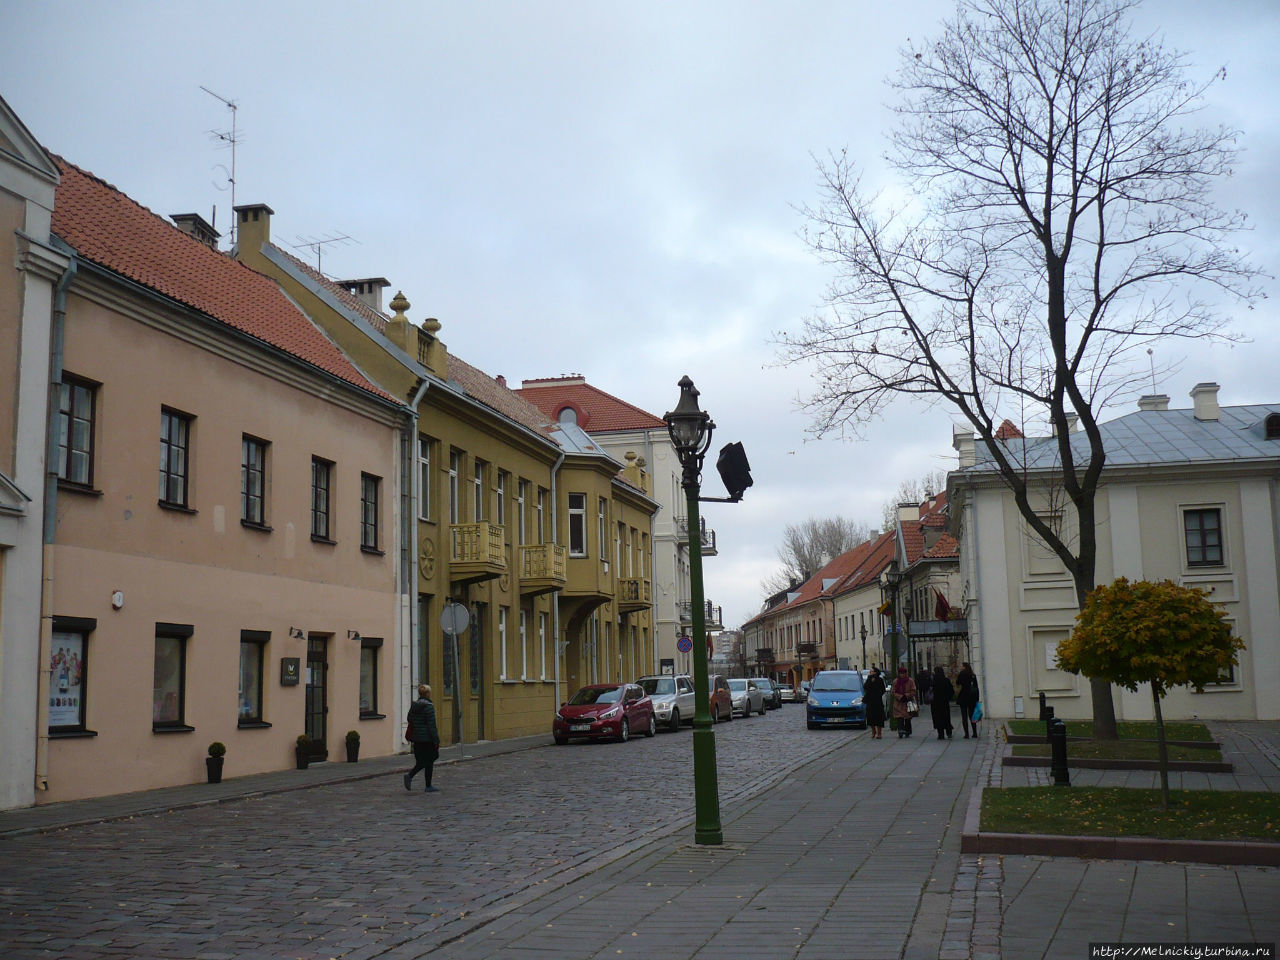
(422, 732)
(967, 697)
(904, 701)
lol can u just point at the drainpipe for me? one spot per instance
(555, 599)
(972, 526)
(412, 491)
(50, 520)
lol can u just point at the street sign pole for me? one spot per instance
(454, 618)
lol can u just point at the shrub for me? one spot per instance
(353, 736)
(217, 749)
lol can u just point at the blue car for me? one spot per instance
(835, 698)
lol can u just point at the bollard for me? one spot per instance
(1058, 747)
(1048, 724)
(1043, 708)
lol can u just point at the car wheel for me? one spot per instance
(561, 741)
(624, 731)
(730, 711)
(674, 724)
(653, 726)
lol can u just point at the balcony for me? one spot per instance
(713, 617)
(707, 537)
(476, 552)
(634, 593)
(809, 650)
(543, 568)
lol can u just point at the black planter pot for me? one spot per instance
(353, 751)
(303, 755)
(213, 766)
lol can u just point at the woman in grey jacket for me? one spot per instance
(424, 736)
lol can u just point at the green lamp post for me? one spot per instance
(691, 430)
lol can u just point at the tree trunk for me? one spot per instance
(1164, 749)
(1104, 709)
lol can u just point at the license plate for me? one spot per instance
(580, 728)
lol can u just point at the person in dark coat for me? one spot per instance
(873, 700)
(904, 692)
(967, 697)
(924, 682)
(424, 736)
(943, 694)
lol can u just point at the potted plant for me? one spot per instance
(213, 762)
(353, 746)
(303, 751)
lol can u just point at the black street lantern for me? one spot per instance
(864, 646)
(690, 430)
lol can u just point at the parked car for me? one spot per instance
(721, 698)
(748, 698)
(789, 693)
(771, 690)
(672, 699)
(605, 711)
(835, 697)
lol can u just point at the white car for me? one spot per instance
(747, 696)
(672, 699)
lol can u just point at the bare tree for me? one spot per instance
(809, 546)
(1059, 220)
(911, 491)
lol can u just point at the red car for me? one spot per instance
(605, 710)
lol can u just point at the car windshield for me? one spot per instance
(737, 686)
(837, 681)
(589, 695)
(658, 685)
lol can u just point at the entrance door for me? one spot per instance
(317, 696)
(475, 638)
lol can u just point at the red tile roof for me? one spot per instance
(1007, 431)
(110, 229)
(598, 411)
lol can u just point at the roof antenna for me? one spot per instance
(232, 139)
(1152, 359)
(317, 244)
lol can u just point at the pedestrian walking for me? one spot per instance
(940, 705)
(904, 700)
(422, 733)
(924, 686)
(967, 697)
(873, 699)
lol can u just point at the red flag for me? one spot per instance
(941, 609)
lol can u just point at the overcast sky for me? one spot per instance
(598, 188)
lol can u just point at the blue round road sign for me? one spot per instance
(684, 644)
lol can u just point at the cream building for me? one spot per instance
(1189, 495)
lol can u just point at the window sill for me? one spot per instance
(252, 725)
(176, 507)
(324, 540)
(71, 734)
(172, 728)
(250, 525)
(85, 490)
(372, 551)
(372, 716)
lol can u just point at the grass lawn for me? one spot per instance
(1128, 729)
(1119, 750)
(1126, 812)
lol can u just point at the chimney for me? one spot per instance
(1073, 424)
(368, 290)
(194, 225)
(502, 381)
(1205, 398)
(1154, 401)
(253, 226)
(908, 512)
(962, 443)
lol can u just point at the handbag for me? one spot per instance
(928, 696)
(913, 709)
(408, 730)
(977, 711)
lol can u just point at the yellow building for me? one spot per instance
(534, 528)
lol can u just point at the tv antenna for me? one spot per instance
(1152, 359)
(317, 244)
(230, 138)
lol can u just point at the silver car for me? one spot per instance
(672, 699)
(748, 698)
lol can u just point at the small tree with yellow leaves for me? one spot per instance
(1162, 633)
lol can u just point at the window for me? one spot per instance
(522, 499)
(455, 470)
(542, 515)
(369, 511)
(424, 638)
(447, 651)
(253, 646)
(524, 645)
(501, 515)
(253, 481)
(175, 439)
(369, 647)
(476, 644)
(542, 643)
(69, 674)
(577, 524)
(502, 642)
(1203, 530)
(600, 532)
(169, 678)
(424, 477)
(477, 483)
(618, 548)
(75, 430)
(321, 498)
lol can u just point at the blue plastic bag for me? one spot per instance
(977, 711)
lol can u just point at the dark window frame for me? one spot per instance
(1202, 553)
(253, 507)
(182, 633)
(370, 507)
(67, 417)
(170, 479)
(259, 639)
(84, 626)
(325, 514)
(373, 644)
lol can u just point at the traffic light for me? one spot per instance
(734, 469)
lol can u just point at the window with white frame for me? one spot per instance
(524, 645)
(542, 643)
(502, 641)
(500, 515)
(477, 485)
(424, 477)
(455, 495)
(577, 524)
(541, 517)
(600, 531)
(522, 498)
